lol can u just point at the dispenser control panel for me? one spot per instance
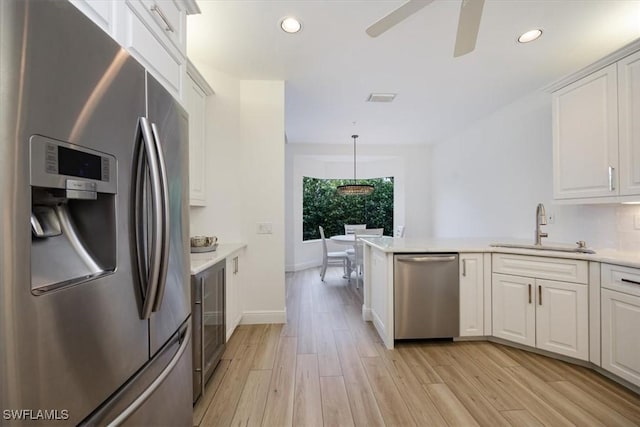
(79, 170)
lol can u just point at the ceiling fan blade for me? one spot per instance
(398, 15)
(468, 26)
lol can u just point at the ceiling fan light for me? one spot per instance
(530, 36)
(290, 25)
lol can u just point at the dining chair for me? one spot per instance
(350, 228)
(356, 259)
(331, 258)
(399, 231)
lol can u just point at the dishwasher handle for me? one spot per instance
(430, 258)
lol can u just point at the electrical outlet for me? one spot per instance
(552, 218)
(265, 228)
(636, 222)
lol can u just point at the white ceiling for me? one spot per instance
(331, 66)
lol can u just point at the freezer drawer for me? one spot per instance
(426, 296)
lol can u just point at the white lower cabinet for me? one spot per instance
(620, 310)
(233, 292)
(547, 314)
(471, 295)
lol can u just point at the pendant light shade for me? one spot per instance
(355, 189)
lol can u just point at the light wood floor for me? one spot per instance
(328, 367)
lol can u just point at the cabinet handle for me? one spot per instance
(611, 184)
(235, 265)
(630, 281)
(168, 26)
(539, 295)
(529, 293)
(464, 268)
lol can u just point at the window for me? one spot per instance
(323, 206)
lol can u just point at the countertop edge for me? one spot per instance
(201, 261)
(608, 256)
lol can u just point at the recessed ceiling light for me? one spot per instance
(530, 36)
(290, 25)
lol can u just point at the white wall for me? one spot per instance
(407, 164)
(488, 179)
(245, 185)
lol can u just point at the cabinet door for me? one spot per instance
(585, 137)
(471, 295)
(99, 11)
(514, 314)
(233, 293)
(620, 337)
(562, 318)
(196, 98)
(629, 111)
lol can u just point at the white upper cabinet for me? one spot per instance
(153, 31)
(196, 93)
(629, 121)
(585, 136)
(596, 131)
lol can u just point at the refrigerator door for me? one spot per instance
(170, 123)
(63, 78)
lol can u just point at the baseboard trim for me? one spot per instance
(261, 317)
(302, 266)
(366, 314)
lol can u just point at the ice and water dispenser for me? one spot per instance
(73, 214)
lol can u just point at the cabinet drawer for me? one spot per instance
(163, 17)
(621, 279)
(564, 270)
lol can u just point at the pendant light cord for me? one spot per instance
(354, 157)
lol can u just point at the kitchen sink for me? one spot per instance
(576, 249)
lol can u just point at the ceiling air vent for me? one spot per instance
(381, 97)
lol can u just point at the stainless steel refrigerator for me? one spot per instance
(94, 283)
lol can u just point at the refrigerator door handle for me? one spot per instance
(164, 257)
(148, 272)
(184, 339)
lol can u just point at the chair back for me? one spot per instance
(324, 241)
(399, 231)
(351, 228)
(369, 232)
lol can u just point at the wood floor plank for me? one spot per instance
(453, 411)
(497, 353)
(435, 353)
(414, 395)
(253, 399)
(477, 405)
(613, 395)
(491, 387)
(328, 362)
(223, 406)
(210, 390)
(418, 364)
(279, 410)
(267, 348)
(521, 418)
(307, 404)
(595, 407)
(306, 336)
(336, 411)
(364, 407)
(558, 401)
(392, 407)
(358, 329)
(536, 364)
(237, 339)
(255, 334)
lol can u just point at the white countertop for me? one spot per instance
(415, 245)
(204, 260)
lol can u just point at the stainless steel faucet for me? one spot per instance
(541, 219)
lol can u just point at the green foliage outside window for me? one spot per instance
(323, 206)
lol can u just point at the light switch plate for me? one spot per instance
(265, 228)
(636, 222)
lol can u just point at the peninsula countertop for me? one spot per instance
(432, 245)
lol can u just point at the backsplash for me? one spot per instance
(628, 227)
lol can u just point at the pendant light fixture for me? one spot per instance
(355, 189)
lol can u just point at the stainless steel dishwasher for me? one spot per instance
(426, 296)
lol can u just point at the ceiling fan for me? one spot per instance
(468, 22)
